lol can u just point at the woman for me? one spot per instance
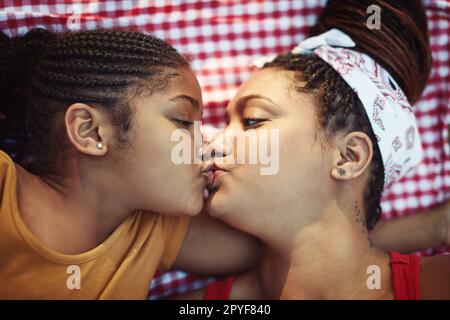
(337, 111)
(104, 205)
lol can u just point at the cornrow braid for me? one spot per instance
(70, 79)
(339, 110)
(43, 73)
(80, 65)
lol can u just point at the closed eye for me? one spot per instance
(184, 123)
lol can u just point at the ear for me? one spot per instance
(88, 129)
(352, 157)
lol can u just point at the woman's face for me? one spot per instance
(150, 166)
(241, 195)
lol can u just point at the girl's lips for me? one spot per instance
(209, 178)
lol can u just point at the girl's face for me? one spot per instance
(150, 165)
(240, 194)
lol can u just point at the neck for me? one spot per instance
(327, 259)
(82, 207)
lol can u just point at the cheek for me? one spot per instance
(152, 138)
(154, 145)
(153, 152)
(305, 166)
(299, 167)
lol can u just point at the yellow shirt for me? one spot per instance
(121, 267)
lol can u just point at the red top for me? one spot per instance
(219, 290)
(405, 280)
(405, 276)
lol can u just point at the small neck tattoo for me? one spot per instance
(361, 220)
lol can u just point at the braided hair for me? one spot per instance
(339, 109)
(43, 73)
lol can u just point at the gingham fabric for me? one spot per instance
(223, 37)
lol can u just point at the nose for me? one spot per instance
(220, 147)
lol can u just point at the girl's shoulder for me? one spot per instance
(7, 172)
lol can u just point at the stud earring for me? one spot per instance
(341, 172)
(100, 146)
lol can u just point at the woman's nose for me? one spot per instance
(219, 147)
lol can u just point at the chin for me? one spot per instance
(216, 205)
(193, 206)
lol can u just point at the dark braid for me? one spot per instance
(43, 73)
(339, 110)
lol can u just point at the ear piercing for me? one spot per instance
(341, 172)
(100, 146)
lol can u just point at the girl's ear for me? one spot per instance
(88, 129)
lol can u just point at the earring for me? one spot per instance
(341, 172)
(100, 146)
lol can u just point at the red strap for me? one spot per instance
(219, 290)
(405, 276)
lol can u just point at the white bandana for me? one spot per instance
(386, 106)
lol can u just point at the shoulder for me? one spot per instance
(435, 277)
(5, 161)
(248, 286)
(6, 168)
(173, 226)
(160, 225)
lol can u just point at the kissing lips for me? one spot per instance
(209, 178)
(212, 174)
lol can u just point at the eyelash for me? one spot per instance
(184, 123)
(257, 120)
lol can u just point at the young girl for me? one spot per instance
(341, 102)
(104, 205)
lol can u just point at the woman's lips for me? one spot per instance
(212, 177)
(217, 174)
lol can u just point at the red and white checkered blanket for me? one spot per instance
(223, 37)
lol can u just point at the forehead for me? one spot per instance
(171, 86)
(170, 81)
(185, 81)
(267, 81)
(277, 84)
(282, 89)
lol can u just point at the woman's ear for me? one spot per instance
(88, 129)
(352, 156)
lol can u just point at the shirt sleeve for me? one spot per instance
(174, 233)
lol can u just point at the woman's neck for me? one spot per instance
(59, 212)
(332, 258)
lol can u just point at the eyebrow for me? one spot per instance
(193, 102)
(240, 104)
(244, 100)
